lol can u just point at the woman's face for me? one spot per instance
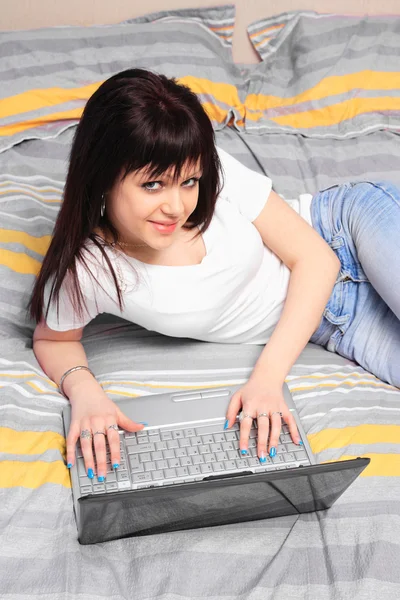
(142, 209)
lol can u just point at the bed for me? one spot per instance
(322, 107)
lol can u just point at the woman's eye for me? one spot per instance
(150, 184)
(194, 180)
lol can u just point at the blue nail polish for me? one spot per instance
(69, 465)
(90, 473)
(101, 478)
(226, 423)
(115, 466)
(300, 443)
(143, 422)
(262, 458)
(244, 451)
(272, 452)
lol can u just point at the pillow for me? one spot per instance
(49, 74)
(324, 75)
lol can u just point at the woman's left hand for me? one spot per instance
(257, 397)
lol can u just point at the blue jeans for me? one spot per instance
(361, 223)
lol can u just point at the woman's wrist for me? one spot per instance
(79, 382)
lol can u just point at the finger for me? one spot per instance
(276, 427)
(113, 442)
(245, 427)
(262, 437)
(126, 423)
(99, 443)
(87, 449)
(72, 439)
(233, 409)
(291, 423)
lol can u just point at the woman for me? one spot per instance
(148, 231)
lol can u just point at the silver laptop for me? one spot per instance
(184, 454)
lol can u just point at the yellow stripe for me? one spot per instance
(336, 113)
(30, 442)
(32, 194)
(74, 114)
(266, 39)
(37, 99)
(330, 86)
(272, 28)
(359, 434)
(24, 375)
(378, 385)
(19, 262)
(381, 465)
(33, 474)
(40, 98)
(36, 244)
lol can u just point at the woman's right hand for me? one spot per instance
(93, 410)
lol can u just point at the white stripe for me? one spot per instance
(343, 391)
(43, 203)
(28, 394)
(30, 219)
(31, 411)
(353, 409)
(30, 178)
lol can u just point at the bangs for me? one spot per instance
(171, 145)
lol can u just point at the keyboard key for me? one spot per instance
(86, 489)
(124, 485)
(139, 449)
(168, 473)
(207, 468)
(300, 454)
(98, 488)
(122, 476)
(111, 487)
(141, 477)
(289, 457)
(157, 475)
(189, 432)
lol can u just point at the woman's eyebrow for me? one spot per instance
(161, 177)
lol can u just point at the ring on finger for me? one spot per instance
(276, 412)
(102, 433)
(86, 433)
(243, 416)
(262, 415)
(113, 426)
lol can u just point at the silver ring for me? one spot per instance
(243, 416)
(96, 432)
(113, 426)
(262, 415)
(86, 433)
(276, 412)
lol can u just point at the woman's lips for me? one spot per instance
(164, 228)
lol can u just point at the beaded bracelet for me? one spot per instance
(60, 387)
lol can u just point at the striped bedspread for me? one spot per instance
(322, 107)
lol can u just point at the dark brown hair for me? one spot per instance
(136, 119)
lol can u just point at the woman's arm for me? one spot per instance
(58, 351)
(314, 269)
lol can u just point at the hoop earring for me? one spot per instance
(103, 206)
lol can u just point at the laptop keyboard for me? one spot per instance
(156, 457)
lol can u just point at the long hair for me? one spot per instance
(136, 119)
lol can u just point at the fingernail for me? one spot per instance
(300, 443)
(90, 473)
(262, 457)
(244, 451)
(115, 466)
(272, 452)
(69, 465)
(143, 422)
(226, 423)
(100, 478)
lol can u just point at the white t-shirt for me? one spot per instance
(235, 295)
